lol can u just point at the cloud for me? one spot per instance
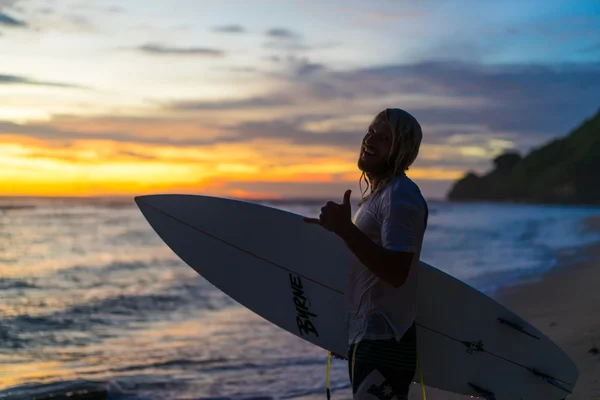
(46, 10)
(20, 80)
(49, 132)
(522, 104)
(308, 68)
(230, 29)
(71, 153)
(282, 33)
(250, 103)
(7, 20)
(395, 16)
(525, 104)
(295, 46)
(79, 22)
(137, 155)
(542, 99)
(243, 69)
(115, 10)
(158, 49)
(288, 46)
(521, 98)
(382, 16)
(292, 131)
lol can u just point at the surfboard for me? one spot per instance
(293, 274)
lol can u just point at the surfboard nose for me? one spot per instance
(153, 199)
(144, 198)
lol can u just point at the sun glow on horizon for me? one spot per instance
(106, 168)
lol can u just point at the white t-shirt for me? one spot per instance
(395, 218)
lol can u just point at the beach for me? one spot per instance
(565, 306)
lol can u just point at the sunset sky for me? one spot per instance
(271, 98)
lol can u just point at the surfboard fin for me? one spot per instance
(517, 327)
(487, 395)
(550, 380)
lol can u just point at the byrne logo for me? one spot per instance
(303, 316)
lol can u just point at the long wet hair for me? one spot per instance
(406, 141)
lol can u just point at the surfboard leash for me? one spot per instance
(421, 378)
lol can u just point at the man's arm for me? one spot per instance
(390, 266)
(401, 223)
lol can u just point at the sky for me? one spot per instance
(270, 99)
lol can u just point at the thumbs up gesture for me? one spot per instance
(335, 217)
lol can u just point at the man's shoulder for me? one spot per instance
(405, 189)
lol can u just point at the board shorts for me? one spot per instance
(383, 369)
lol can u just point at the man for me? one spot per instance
(386, 236)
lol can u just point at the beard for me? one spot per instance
(374, 168)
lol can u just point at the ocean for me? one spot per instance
(89, 292)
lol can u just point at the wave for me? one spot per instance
(6, 208)
(9, 283)
(171, 363)
(73, 390)
(87, 276)
(101, 319)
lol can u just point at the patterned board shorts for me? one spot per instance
(383, 369)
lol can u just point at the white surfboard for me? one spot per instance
(293, 274)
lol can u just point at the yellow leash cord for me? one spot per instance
(421, 377)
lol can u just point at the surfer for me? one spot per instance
(386, 236)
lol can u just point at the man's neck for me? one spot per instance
(375, 181)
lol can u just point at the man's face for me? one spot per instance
(376, 147)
